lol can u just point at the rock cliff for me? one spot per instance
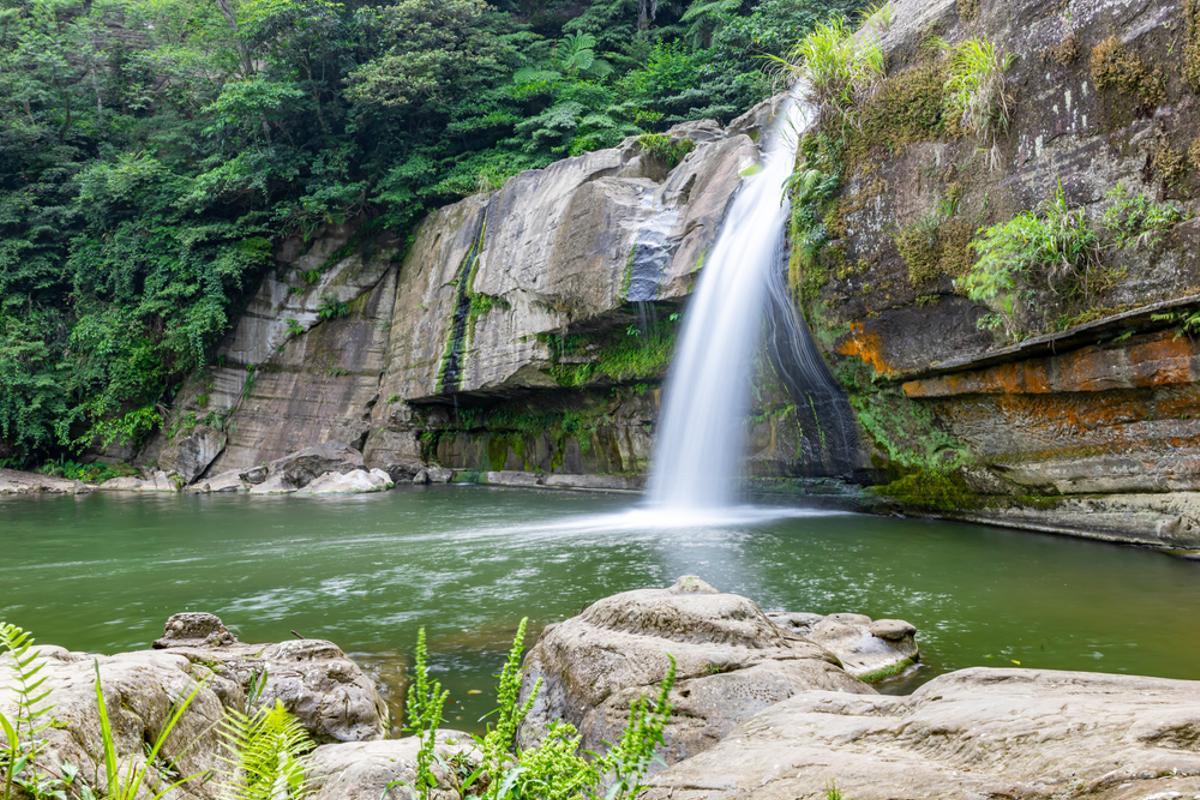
(1074, 409)
(526, 329)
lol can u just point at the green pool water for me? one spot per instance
(103, 572)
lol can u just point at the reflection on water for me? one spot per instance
(104, 572)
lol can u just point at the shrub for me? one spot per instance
(976, 92)
(1051, 252)
(1114, 66)
(1134, 219)
(664, 148)
(332, 308)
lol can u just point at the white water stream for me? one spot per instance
(701, 440)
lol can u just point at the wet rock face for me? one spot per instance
(732, 662)
(1027, 734)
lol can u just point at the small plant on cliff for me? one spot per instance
(332, 308)
(976, 94)
(838, 65)
(1132, 219)
(668, 150)
(1052, 249)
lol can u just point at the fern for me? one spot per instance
(34, 709)
(630, 759)
(423, 715)
(265, 757)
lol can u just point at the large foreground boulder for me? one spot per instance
(330, 694)
(732, 663)
(386, 770)
(976, 733)
(333, 699)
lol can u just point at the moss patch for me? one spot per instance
(908, 107)
(931, 490)
(617, 356)
(1115, 67)
(968, 10)
(1064, 53)
(1191, 45)
(1169, 164)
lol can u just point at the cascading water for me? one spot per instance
(702, 433)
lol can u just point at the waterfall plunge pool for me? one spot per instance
(103, 572)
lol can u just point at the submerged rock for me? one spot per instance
(733, 662)
(976, 733)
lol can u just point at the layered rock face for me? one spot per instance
(526, 329)
(1081, 420)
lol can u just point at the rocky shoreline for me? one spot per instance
(764, 706)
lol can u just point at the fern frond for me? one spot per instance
(34, 707)
(265, 754)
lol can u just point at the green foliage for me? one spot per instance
(1134, 220)
(976, 94)
(1050, 253)
(665, 149)
(554, 769)
(423, 716)
(619, 356)
(812, 188)
(907, 107)
(24, 735)
(128, 785)
(96, 472)
(839, 63)
(937, 244)
(264, 754)
(931, 490)
(332, 308)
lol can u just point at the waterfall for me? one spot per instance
(702, 430)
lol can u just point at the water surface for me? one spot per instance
(103, 572)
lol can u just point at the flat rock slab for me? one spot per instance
(977, 733)
(16, 482)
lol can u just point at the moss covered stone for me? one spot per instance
(1191, 46)
(931, 490)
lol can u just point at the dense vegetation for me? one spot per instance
(153, 151)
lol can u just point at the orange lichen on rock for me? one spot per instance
(867, 346)
(1162, 360)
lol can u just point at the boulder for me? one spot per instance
(330, 695)
(732, 662)
(870, 650)
(356, 481)
(156, 481)
(384, 769)
(975, 733)
(302, 467)
(189, 456)
(140, 690)
(15, 482)
(224, 483)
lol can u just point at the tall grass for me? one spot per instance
(976, 94)
(838, 64)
